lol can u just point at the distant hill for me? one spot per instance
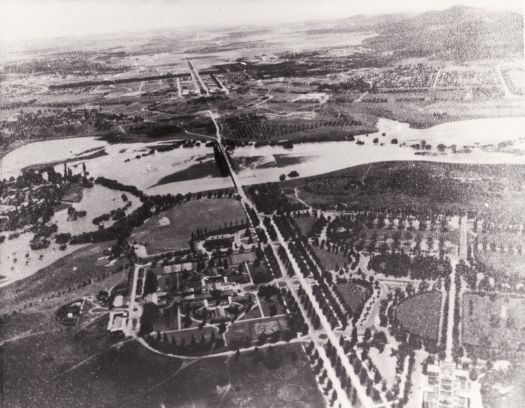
(359, 22)
(459, 32)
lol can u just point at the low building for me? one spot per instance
(446, 387)
(118, 321)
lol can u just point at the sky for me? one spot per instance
(38, 19)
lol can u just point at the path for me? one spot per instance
(503, 84)
(462, 255)
(132, 296)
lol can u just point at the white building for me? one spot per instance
(446, 387)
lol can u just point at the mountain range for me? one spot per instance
(459, 32)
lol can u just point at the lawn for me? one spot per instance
(493, 322)
(419, 314)
(330, 260)
(305, 223)
(171, 229)
(243, 334)
(353, 294)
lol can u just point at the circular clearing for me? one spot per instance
(290, 392)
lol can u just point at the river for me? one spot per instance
(195, 172)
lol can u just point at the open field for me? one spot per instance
(64, 276)
(493, 323)
(185, 219)
(419, 314)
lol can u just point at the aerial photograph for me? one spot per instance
(262, 204)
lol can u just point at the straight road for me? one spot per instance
(462, 255)
(332, 337)
(197, 78)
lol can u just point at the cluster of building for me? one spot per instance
(406, 77)
(213, 290)
(447, 387)
(460, 78)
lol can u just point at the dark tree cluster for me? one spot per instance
(221, 161)
(296, 321)
(170, 344)
(401, 265)
(287, 227)
(269, 198)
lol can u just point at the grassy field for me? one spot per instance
(64, 276)
(503, 264)
(330, 260)
(247, 333)
(419, 314)
(353, 294)
(172, 228)
(305, 224)
(493, 323)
